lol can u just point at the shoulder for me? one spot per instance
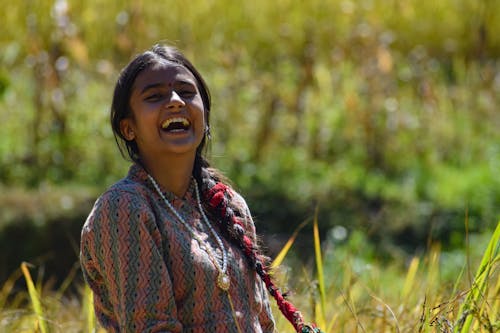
(124, 193)
(123, 203)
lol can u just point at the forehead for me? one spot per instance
(164, 73)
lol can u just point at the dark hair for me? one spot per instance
(120, 107)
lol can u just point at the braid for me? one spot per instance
(217, 197)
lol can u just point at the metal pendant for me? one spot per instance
(223, 281)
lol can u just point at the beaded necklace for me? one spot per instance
(223, 280)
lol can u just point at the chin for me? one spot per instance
(181, 149)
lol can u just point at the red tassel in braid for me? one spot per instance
(217, 197)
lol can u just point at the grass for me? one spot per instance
(474, 310)
(342, 292)
(41, 322)
(390, 299)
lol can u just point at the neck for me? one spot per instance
(172, 174)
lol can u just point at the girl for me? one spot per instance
(171, 247)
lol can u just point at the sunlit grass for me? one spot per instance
(40, 323)
(321, 307)
(391, 299)
(475, 310)
(374, 298)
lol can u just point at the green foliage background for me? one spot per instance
(384, 114)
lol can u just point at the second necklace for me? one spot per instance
(223, 280)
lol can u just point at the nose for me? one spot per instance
(175, 101)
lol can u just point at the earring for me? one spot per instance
(207, 132)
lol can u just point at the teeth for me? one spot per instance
(167, 122)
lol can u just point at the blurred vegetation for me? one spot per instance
(384, 114)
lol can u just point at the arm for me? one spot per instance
(121, 257)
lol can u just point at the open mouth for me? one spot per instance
(178, 124)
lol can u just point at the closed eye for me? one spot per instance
(154, 97)
(186, 93)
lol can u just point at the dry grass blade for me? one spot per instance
(319, 267)
(7, 288)
(68, 280)
(496, 303)
(387, 306)
(284, 251)
(352, 309)
(410, 278)
(35, 299)
(88, 309)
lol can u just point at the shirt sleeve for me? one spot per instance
(265, 316)
(122, 262)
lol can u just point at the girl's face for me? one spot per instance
(168, 116)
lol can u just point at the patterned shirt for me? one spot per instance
(149, 274)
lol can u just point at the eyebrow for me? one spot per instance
(151, 86)
(160, 84)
